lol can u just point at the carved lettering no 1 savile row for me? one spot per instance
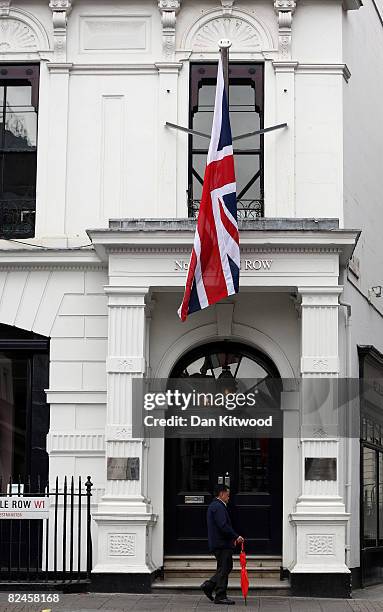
(246, 264)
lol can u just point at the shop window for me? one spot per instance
(371, 485)
(18, 150)
(246, 115)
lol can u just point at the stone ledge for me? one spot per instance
(273, 224)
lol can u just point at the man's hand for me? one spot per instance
(239, 540)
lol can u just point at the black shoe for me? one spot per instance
(207, 590)
(225, 602)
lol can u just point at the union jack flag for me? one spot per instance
(214, 263)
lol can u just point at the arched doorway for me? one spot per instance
(251, 466)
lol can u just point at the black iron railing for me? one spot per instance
(17, 217)
(55, 550)
(246, 209)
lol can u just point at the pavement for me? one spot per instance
(365, 600)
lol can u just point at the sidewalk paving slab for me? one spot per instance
(365, 600)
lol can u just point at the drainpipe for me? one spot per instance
(348, 440)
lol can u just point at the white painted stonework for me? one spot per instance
(106, 293)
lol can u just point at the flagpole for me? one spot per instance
(224, 45)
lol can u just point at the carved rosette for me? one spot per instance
(285, 10)
(169, 10)
(60, 12)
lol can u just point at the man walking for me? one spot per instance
(222, 540)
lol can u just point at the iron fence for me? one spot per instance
(56, 550)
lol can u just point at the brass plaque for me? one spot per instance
(194, 499)
(133, 468)
(320, 468)
(117, 468)
(126, 468)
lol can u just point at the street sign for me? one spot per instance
(18, 507)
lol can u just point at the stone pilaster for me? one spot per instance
(285, 143)
(57, 136)
(319, 518)
(167, 111)
(124, 516)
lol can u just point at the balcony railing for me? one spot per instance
(17, 218)
(246, 209)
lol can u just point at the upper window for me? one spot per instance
(246, 115)
(18, 150)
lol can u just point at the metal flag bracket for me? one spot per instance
(195, 133)
(224, 45)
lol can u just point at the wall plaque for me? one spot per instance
(133, 468)
(320, 468)
(127, 468)
(117, 468)
(194, 499)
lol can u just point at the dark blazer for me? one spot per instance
(219, 528)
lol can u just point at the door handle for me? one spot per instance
(227, 479)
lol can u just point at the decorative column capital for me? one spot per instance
(319, 296)
(60, 12)
(5, 6)
(285, 10)
(169, 10)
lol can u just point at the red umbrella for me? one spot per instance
(244, 576)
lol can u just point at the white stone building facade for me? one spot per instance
(101, 274)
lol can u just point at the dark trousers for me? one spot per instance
(218, 582)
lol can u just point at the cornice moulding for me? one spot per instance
(321, 241)
(169, 67)
(312, 68)
(104, 69)
(337, 69)
(47, 259)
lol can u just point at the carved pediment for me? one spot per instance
(237, 30)
(16, 36)
(246, 32)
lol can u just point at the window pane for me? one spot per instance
(243, 116)
(246, 166)
(193, 472)
(1, 114)
(19, 176)
(199, 165)
(253, 465)
(369, 497)
(20, 120)
(380, 499)
(13, 415)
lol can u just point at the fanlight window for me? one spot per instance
(235, 367)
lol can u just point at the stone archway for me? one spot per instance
(251, 466)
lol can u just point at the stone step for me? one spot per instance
(189, 563)
(259, 573)
(202, 566)
(258, 586)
